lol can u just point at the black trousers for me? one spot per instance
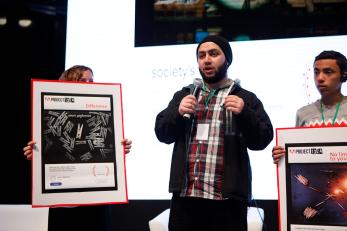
(196, 214)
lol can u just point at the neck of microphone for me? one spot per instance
(232, 87)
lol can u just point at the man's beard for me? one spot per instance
(220, 74)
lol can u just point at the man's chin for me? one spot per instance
(323, 92)
(209, 75)
(208, 79)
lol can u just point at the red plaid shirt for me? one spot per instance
(205, 157)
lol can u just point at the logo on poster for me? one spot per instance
(305, 151)
(59, 99)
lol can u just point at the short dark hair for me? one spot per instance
(340, 59)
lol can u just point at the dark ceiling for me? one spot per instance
(48, 7)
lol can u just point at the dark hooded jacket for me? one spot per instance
(251, 129)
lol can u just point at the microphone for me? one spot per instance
(231, 88)
(230, 128)
(195, 91)
(237, 81)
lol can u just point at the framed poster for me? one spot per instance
(312, 179)
(78, 158)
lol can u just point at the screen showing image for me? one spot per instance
(103, 36)
(169, 22)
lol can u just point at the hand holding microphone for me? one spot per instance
(232, 102)
(188, 103)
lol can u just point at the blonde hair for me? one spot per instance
(74, 73)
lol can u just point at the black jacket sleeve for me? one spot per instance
(253, 122)
(169, 124)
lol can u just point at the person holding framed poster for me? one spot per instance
(330, 72)
(311, 176)
(95, 217)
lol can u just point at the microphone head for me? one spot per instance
(237, 81)
(198, 82)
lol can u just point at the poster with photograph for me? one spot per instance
(78, 157)
(312, 179)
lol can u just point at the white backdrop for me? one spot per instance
(100, 34)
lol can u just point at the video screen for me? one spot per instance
(169, 22)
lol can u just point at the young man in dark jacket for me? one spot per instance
(210, 170)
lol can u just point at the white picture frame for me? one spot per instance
(78, 158)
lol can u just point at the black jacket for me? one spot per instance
(251, 129)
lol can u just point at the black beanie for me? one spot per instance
(222, 43)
